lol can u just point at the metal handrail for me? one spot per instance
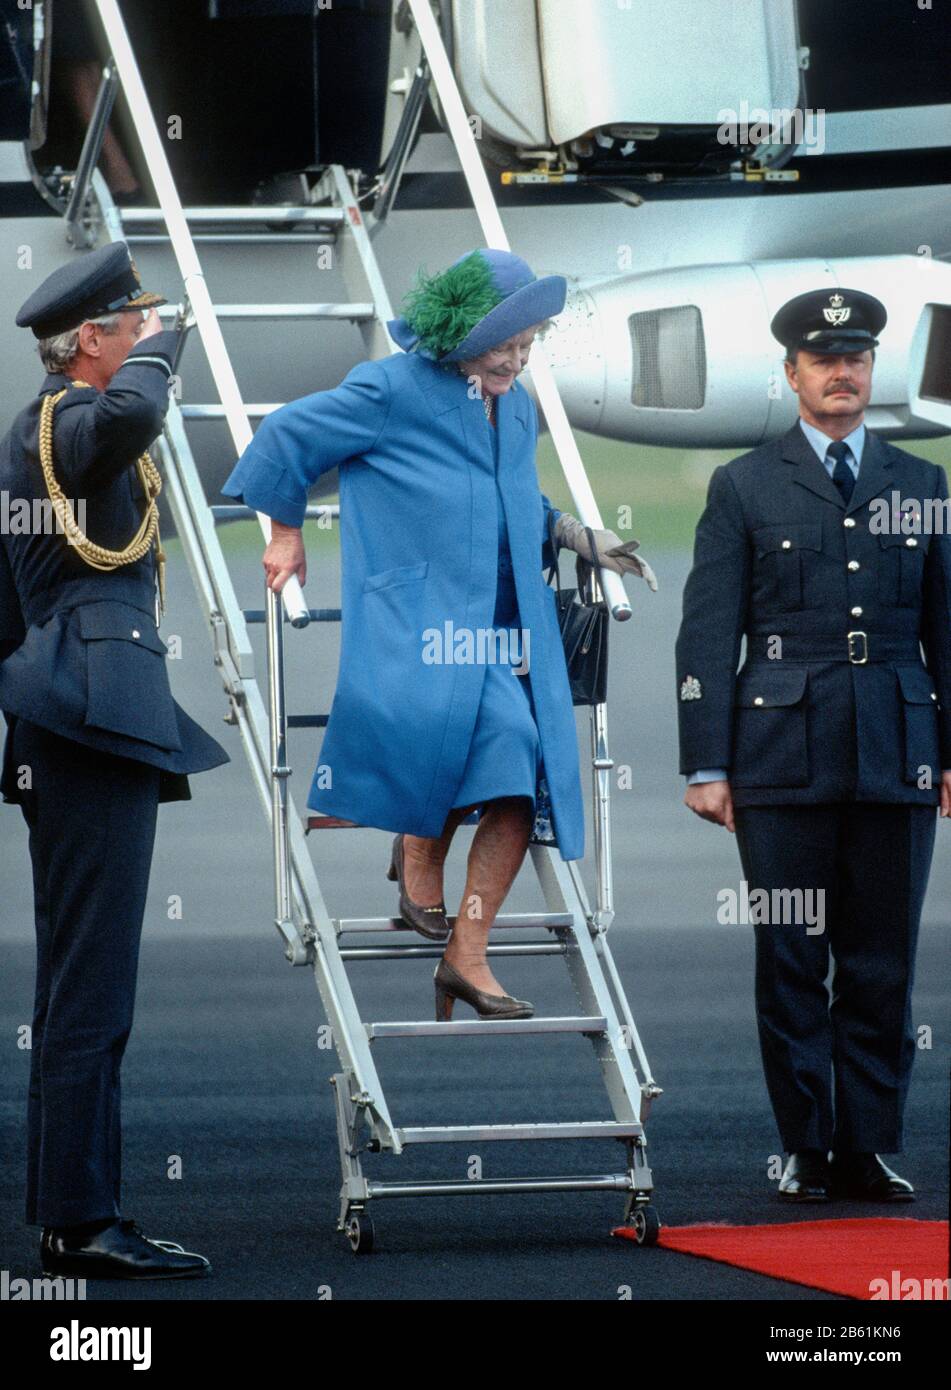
(196, 289)
(76, 233)
(495, 235)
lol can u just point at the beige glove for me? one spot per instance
(613, 553)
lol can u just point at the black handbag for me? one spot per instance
(583, 622)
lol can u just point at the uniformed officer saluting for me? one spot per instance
(829, 751)
(95, 740)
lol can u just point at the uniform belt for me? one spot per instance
(857, 647)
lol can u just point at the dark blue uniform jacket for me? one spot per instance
(80, 651)
(779, 555)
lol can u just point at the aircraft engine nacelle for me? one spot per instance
(685, 357)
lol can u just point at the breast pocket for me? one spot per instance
(901, 569)
(783, 556)
(920, 707)
(127, 689)
(770, 734)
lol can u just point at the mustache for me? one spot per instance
(840, 386)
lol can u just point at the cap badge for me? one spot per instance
(135, 271)
(836, 314)
(690, 689)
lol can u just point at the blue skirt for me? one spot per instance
(505, 751)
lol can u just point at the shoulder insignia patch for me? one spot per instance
(690, 688)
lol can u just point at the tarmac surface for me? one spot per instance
(226, 1068)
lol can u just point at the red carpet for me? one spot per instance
(873, 1258)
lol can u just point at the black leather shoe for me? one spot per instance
(805, 1178)
(119, 1251)
(866, 1178)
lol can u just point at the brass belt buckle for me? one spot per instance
(858, 660)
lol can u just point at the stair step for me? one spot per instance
(238, 512)
(487, 1187)
(350, 313)
(475, 1027)
(503, 921)
(338, 823)
(256, 411)
(316, 615)
(290, 237)
(456, 1134)
(257, 214)
(400, 952)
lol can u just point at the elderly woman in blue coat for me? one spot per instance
(452, 694)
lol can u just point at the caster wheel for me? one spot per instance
(646, 1225)
(360, 1233)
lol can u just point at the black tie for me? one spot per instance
(842, 473)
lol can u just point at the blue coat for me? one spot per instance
(418, 515)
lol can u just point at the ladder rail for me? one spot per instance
(336, 990)
(233, 653)
(76, 230)
(649, 1087)
(234, 656)
(357, 264)
(561, 884)
(493, 229)
(601, 765)
(280, 771)
(318, 936)
(196, 288)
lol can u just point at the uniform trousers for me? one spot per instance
(92, 819)
(837, 1066)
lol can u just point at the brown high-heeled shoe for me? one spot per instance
(430, 922)
(450, 986)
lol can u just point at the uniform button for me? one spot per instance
(136, 632)
(856, 612)
(854, 565)
(849, 521)
(787, 545)
(911, 541)
(933, 695)
(758, 700)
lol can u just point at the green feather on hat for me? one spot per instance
(442, 309)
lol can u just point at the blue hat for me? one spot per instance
(830, 322)
(100, 282)
(481, 300)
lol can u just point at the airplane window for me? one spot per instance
(936, 376)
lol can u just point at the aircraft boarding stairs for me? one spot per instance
(568, 926)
